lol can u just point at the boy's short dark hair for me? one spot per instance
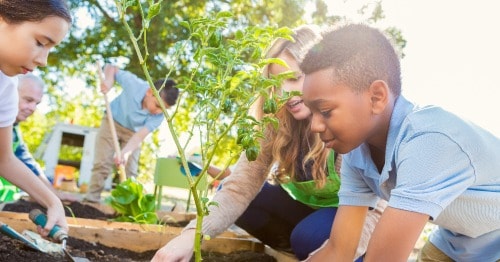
(169, 93)
(358, 54)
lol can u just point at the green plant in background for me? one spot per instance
(224, 82)
(132, 204)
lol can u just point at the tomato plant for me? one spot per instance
(225, 81)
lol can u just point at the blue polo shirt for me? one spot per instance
(440, 165)
(127, 107)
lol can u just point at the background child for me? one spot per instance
(136, 113)
(28, 30)
(427, 162)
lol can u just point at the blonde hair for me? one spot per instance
(293, 138)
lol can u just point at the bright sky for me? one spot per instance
(452, 53)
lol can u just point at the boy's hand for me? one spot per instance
(104, 87)
(121, 159)
(109, 78)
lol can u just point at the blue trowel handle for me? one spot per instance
(4, 228)
(40, 219)
(9, 231)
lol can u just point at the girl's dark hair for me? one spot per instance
(169, 93)
(19, 11)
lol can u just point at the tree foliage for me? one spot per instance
(97, 34)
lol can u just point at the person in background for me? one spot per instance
(426, 162)
(136, 113)
(298, 212)
(30, 88)
(26, 38)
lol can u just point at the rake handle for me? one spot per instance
(111, 122)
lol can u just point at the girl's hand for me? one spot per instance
(179, 249)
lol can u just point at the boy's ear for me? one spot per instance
(149, 92)
(380, 96)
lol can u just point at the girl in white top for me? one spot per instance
(28, 30)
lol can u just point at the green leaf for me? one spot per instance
(269, 61)
(153, 11)
(213, 203)
(185, 24)
(129, 200)
(224, 14)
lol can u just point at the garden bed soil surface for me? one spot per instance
(15, 250)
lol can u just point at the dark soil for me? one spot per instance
(15, 250)
(75, 209)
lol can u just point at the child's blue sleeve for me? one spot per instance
(128, 80)
(432, 171)
(154, 121)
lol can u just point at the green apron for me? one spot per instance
(8, 191)
(307, 193)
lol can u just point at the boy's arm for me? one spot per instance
(134, 142)
(109, 78)
(395, 235)
(345, 235)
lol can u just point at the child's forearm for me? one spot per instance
(345, 235)
(17, 173)
(135, 141)
(109, 75)
(371, 221)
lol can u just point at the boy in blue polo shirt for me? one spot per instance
(136, 113)
(427, 162)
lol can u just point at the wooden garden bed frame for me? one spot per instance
(145, 237)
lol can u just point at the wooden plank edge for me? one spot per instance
(130, 236)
